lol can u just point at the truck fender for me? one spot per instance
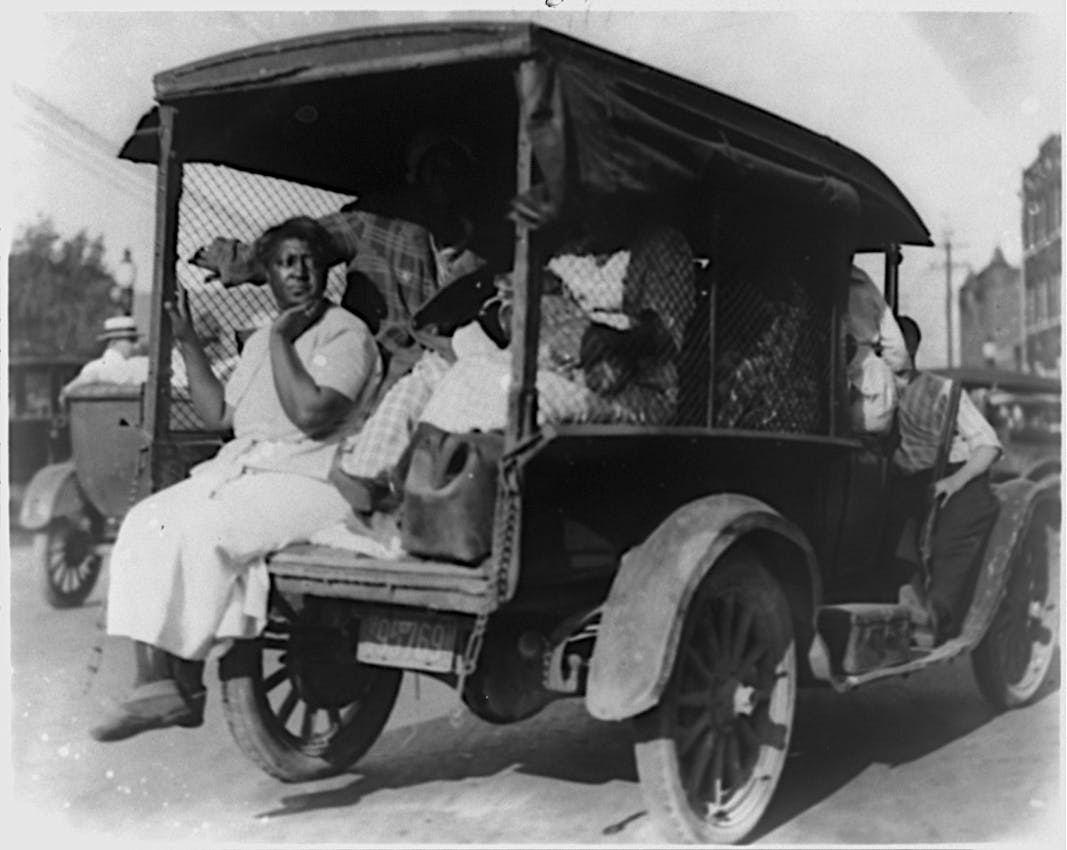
(642, 618)
(1042, 469)
(1017, 497)
(52, 492)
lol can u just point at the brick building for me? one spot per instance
(1042, 274)
(990, 321)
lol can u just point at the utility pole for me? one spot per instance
(948, 266)
(948, 296)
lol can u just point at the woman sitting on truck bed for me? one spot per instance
(188, 566)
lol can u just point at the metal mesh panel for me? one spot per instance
(220, 201)
(616, 334)
(694, 362)
(772, 355)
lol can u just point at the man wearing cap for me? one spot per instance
(118, 364)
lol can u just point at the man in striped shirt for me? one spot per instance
(968, 507)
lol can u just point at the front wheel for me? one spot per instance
(296, 700)
(66, 556)
(1014, 659)
(710, 754)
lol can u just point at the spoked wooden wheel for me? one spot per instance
(70, 565)
(1014, 659)
(710, 754)
(296, 700)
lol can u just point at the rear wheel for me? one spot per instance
(710, 754)
(1015, 658)
(65, 552)
(296, 700)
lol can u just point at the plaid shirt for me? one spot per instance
(920, 415)
(375, 450)
(396, 256)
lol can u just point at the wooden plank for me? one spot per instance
(328, 558)
(433, 599)
(378, 578)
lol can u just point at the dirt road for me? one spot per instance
(916, 761)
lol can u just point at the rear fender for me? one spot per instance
(646, 607)
(1018, 498)
(52, 492)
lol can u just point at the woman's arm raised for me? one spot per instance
(205, 389)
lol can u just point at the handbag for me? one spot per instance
(449, 494)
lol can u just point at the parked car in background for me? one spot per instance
(1026, 410)
(38, 430)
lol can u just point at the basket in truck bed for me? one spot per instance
(326, 571)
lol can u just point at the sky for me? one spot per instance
(952, 105)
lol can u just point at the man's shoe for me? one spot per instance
(155, 705)
(908, 597)
(922, 616)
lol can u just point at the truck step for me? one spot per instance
(865, 636)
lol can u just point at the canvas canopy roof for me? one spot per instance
(336, 111)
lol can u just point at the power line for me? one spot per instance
(55, 115)
(84, 159)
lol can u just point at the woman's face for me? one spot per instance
(296, 277)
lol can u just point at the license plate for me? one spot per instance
(414, 643)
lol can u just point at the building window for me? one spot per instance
(1041, 309)
(1053, 281)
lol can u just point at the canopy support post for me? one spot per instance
(156, 414)
(526, 311)
(893, 258)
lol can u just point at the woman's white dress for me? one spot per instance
(188, 568)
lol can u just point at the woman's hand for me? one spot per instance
(292, 322)
(181, 322)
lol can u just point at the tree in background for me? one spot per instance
(58, 292)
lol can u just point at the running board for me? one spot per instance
(859, 643)
(920, 660)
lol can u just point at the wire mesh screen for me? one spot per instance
(772, 355)
(220, 201)
(614, 333)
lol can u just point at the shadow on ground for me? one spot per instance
(561, 743)
(836, 738)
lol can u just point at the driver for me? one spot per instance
(188, 568)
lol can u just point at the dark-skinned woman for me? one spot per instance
(187, 570)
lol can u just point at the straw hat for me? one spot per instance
(119, 327)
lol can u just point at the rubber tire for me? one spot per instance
(1001, 687)
(259, 736)
(658, 764)
(62, 532)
